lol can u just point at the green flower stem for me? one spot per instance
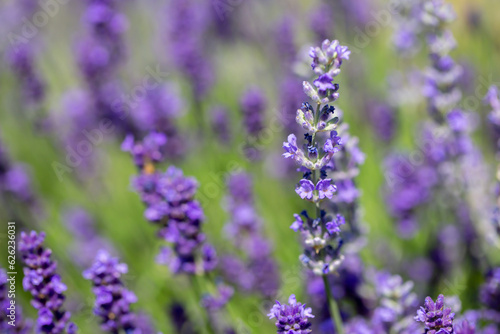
(334, 308)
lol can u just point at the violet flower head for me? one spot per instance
(45, 285)
(149, 151)
(490, 290)
(437, 318)
(256, 271)
(253, 106)
(221, 124)
(291, 318)
(219, 300)
(321, 143)
(466, 328)
(22, 61)
(113, 300)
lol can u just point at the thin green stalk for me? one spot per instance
(334, 308)
(205, 316)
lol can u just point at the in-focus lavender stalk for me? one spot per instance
(438, 318)
(320, 233)
(113, 300)
(291, 318)
(11, 315)
(45, 285)
(258, 271)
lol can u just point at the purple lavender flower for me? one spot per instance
(87, 242)
(284, 40)
(218, 301)
(258, 271)
(41, 280)
(188, 22)
(221, 124)
(22, 61)
(493, 100)
(490, 290)
(147, 152)
(465, 328)
(253, 105)
(113, 300)
(437, 318)
(292, 318)
(169, 199)
(383, 120)
(321, 24)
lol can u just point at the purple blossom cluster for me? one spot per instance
(15, 179)
(490, 290)
(113, 300)
(257, 271)
(44, 284)
(320, 234)
(170, 204)
(438, 318)
(187, 23)
(291, 318)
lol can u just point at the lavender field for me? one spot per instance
(250, 167)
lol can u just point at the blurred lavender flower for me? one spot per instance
(157, 112)
(284, 40)
(221, 124)
(21, 60)
(292, 318)
(188, 21)
(218, 301)
(113, 299)
(493, 100)
(45, 285)
(382, 119)
(407, 26)
(87, 242)
(437, 318)
(253, 105)
(490, 290)
(258, 272)
(321, 24)
(22, 325)
(170, 203)
(465, 328)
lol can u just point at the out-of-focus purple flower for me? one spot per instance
(187, 24)
(87, 242)
(321, 24)
(292, 318)
(113, 300)
(382, 119)
(465, 328)
(490, 290)
(437, 318)
(45, 285)
(218, 301)
(221, 124)
(253, 106)
(284, 40)
(257, 271)
(22, 61)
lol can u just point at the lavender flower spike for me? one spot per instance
(45, 285)
(437, 318)
(292, 318)
(113, 300)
